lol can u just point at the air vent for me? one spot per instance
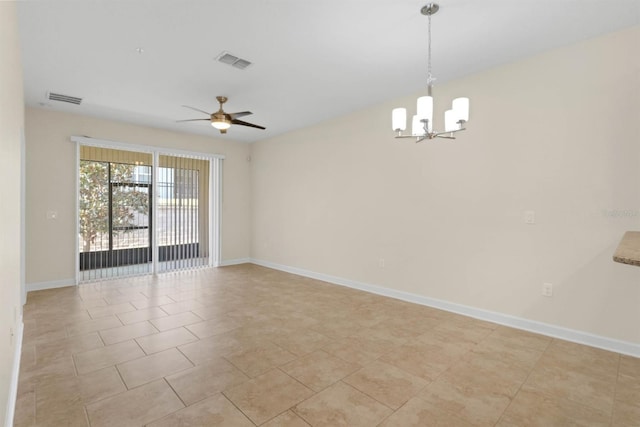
(234, 61)
(227, 58)
(241, 63)
(64, 98)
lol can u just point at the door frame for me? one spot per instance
(215, 193)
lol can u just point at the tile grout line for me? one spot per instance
(176, 393)
(124, 383)
(291, 408)
(525, 380)
(185, 356)
(615, 392)
(86, 414)
(365, 393)
(236, 406)
(437, 377)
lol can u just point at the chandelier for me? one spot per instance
(422, 123)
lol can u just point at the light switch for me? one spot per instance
(529, 217)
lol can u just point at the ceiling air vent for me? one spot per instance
(64, 98)
(234, 61)
(241, 63)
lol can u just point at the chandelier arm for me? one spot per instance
(431, 135)
(449, 132)
(406, 136)
(425, 137)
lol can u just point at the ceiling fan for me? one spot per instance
(221, 120)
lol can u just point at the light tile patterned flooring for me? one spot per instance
(246, 345)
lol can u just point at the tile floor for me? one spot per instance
(246, 345)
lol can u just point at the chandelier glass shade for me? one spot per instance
(422, 122)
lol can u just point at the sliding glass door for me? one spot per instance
(114, 213)
(182, 212)
(138, 215)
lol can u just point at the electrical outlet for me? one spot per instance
(381, 263)
(547, 289)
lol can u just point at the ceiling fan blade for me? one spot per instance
(240, 114)
(197, 109)
(251, 125)
(192, 120)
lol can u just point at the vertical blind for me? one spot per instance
(182, 212)
(114, 213)
(132, 213)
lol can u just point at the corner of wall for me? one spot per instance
(15, 373)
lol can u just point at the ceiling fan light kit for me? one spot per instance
(422, 122)
(221, 124)
(221, 120)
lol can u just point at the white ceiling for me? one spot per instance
(312, 60)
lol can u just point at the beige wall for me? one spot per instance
(11, 125)
(50, 157)
(557, 133)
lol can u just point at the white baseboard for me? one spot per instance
(624, 347)
(39, 286)
(13, 388)
(236, 261)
